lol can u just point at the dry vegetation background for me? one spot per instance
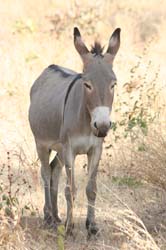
(131, 203)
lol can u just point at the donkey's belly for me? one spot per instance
(82, 144)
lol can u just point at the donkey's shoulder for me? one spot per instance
(49, 78)
(65, 72)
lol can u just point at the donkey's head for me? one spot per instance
(99, 80)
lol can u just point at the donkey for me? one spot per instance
(70, 113)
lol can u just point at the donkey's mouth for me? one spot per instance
(100, 134)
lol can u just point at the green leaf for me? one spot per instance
(1, 205)
(142, 148)
(8, 211)
(4, 197)
(114, 126)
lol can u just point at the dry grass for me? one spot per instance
(153, 160)
(132, 179)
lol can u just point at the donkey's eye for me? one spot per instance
(113, 85)
(88, 86)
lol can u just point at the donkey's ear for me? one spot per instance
(79, 44)
(114, 44)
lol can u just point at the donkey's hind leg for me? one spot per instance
(43, 154)
(56, 169)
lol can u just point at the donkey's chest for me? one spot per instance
(82, 144)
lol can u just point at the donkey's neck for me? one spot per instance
(83, 117)
(76, 116)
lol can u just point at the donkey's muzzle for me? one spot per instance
(100, 121)
(102, 130)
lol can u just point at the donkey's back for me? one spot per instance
(47, 102)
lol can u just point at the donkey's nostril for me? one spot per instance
(110, 124)
(95, 124)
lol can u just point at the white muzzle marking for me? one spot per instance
(101, 116)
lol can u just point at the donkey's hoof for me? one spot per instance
(91, 227)
(50, 224)
(57, 219)
(47, 219)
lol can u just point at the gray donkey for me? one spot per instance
(70, 113)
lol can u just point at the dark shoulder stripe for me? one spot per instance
(70, 86)
(69, 89)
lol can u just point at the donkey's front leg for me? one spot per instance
(70, 189)
(91, 189)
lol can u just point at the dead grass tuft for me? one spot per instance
(151, 162)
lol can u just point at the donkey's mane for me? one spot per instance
(97, 49)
